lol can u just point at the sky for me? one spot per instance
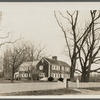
(36, 22)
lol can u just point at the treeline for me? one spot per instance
(19, 53)
(93, 78)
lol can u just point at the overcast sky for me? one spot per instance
(36, 21)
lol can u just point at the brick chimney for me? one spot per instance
(54, 57)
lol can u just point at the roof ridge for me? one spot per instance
(56, 61)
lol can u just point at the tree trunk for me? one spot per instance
(88, 76)
(72, 70)
(31, 77)
(71, 74)
(83, 77)
(12, 77)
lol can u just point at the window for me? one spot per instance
(41, 67)
(29, 75)
(22, 75)
(62, 75)
(62, 68)
(53, 67)
(25, 75)
(42, 74)
(22, 69)
(58, 75)
(58, 67)
(53, 75)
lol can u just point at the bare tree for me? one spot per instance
(16, 55)
(36, 52)
(6, 38)
(89, 53)
(74, 36)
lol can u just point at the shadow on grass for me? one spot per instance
(92, 88)
(43, 92)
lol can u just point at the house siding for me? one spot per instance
(56, 71)
(24, 73)
(45, 68)
(60, 71)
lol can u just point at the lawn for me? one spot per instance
(15, 81)
(42, 92)
(93, 88)
(20, 81)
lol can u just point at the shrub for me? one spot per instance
(61, 79)
(50, 79)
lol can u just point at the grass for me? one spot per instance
(20, 81)
(93, 88)
(42, 92)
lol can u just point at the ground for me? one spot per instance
(68, 91)
(19, 88)
(88, 91)
(42, 92)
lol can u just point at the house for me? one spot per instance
(53, 68)
(24, 70)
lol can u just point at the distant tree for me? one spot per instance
(34, 74)
(15, 56)
(35, 52)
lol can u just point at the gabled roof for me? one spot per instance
(57, 62)
(26, 64)
(35, 63)
(31, 64)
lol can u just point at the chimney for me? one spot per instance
(54, 57)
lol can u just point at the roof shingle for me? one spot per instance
(57, 62)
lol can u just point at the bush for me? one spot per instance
(61, 79)
(50, 79)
